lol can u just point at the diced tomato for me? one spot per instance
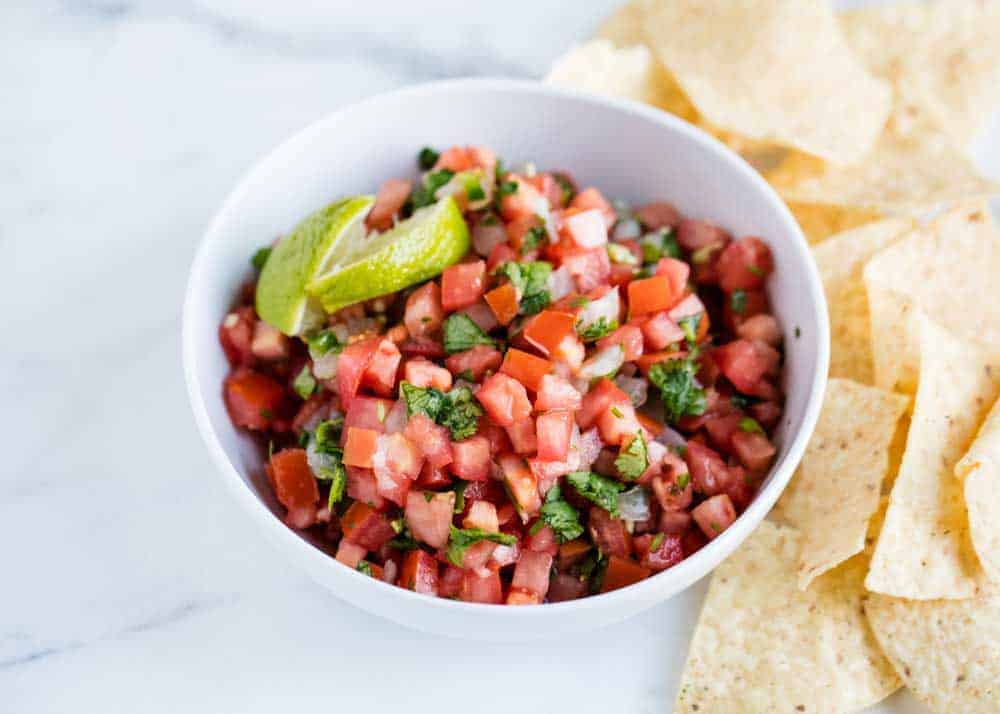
(767, 414)
(608, 533)
(367, 413)
(361, 487)
(673, 491)
(601, 396)
(422, 347)
(547, 329)
(566, 587)
(380, 375)
(359, 449)
(689, 307)
(424, 314)
(465, 158)
(500, 254)
(721, 429)
(744, 265)
(589, 269)
(391, 196)
(428, 516)
(419, 573)
(655, 216)
(532, 572)
(236, 336)
(752, 302)
(554, 429)
(694, 235)
(519, 596)
(677, 272)
(618, 424)
(475, 362)
(522, 436)
(741, 487)
(254, 400)
(433, 477)
(450, 581)
(293, 480)
(714, 515)
(518, 228)
(471, 458)
(482, 515)
(590, 198)
(569, 352)
(523, 202)
(630, 338)
(424, 373)
(660, 331)
(433, 440)
(585, 229)
(522, 486)
(396, 464)
(622, 572)
(572, 552)
(675, 522)
(350, 554)
(658, 552)
(554, 392)
(351, 367)
(753, 449)
(650, 295)
(504, 399)
(365, 526)
(462, 285)
(745, 363)
(269, 344)
(525, 368)
(503, 303)
(481, 588)
(648, 359)
(708, 471)
(761, 327)
(495, 434)
(541, 540)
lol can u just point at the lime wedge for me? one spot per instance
(416, 249)
(320, 240)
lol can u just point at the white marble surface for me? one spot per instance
(130, 582)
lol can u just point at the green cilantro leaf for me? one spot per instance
(659, 244)
(423, 195)
(304, 384)
(260, 257)
(327, 435)
(455, 410)
(750, 426)
(656, 542)
(738, 301)
(507, 188)
(338, 484)
(365, 567)
(633, 459)
(473, 189)
(530, 280)
(462, 538)
(679, 392)
(535, 236)
(427, 158)
(461, 333)
(597, 489)
(565, 189)
(596, 330)
(460, 495)
(689, 325)
(560, 516)
(323, 343)
(535, 302)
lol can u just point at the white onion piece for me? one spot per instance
(317, 460)
(544, 211)
(481, 314)
(397, 417)
(326, 366)
(633, 505)
(487, 237)
(670, 437)
(608, 306)
(579, 384)
(560, 283)
(634, 388)
(626, 229)
(590, 447)
(605, 362)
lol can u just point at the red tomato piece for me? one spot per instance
(622, 572)
(268, 343)
(351, 367)
(504, 399)
(767, 414)
(475, 362)
(503, 303)
(554, 429)
(618, 424)
(708, 471)
(294, 482)
(367, 413)
(526, 368)
(650, 295)
(359, 449)
(236, 336)
(753, 302)
(694, 235)
(422, 347)
(419, 573)
(433, 477)
(608, 533)
(677, 272)
(471, 458)
(554, 392)
(660, 331)
(500, 254)
(753, 449)
(424, 314)
(253, 400)
(548, 186)
(744, 265)
(361, 487)
(380, 375)
(462, 285)
(391, 196)
(524, 201)
(590, 198)
(658, 552)
(518, 228)
(428, 516)
(522, 486)
(481, 588)
(721, 430)
(433, 440)
(655, 216)
(566, 587)
(482, 515)
(365, 526)
(689, 307)
(630, 338)
(745, 363)
(424, 373)
(601, 396)
(522, 436)
(675, 522)
(350, 554)
(648, 359)
(673, 491)
(548, 328)
(714, 515)
(542, 540)
(532, 573)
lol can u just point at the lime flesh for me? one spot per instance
(415, 250)
(321, 239)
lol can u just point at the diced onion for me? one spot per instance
(605, 362)
(544, 211)
(487, 237)
(560, 283)
(318, 461)
(626, 229)
(326, 366)
(634, 387)
(633, 505)
(590, 447)
(670, 437)
(608, 306)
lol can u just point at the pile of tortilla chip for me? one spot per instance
(880, 565)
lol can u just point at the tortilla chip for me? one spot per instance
(923, 551)
(761, 644)
(979, 470)
(772, 70)
(625, 25)
(841, 261)
(948, 270)
(944, 53)
(819, 221)
(946, 651)
(837, 487)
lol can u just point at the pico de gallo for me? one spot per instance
(585, 400)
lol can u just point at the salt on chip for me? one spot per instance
(923, 550)
(772, 70)
(947, 269)
(946, 651)
(944, 54)
(979, 471)
(837, 487)
(761, 644)
(841, 261)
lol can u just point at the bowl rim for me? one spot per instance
(651, 589)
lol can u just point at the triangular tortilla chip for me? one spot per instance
(979, 471)
(923, 550)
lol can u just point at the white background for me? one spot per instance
(129, 582)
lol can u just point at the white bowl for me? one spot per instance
(629, 151)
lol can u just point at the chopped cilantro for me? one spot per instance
(755, 270)
(565, 188)
(380, 411)
(338, 484)
(533, 238)
(633, 459)
(529, 279)
(473, 189)
(656, 542)
(507, 188)
(560, 516)
(750, 426)
(467, 375)
(423, 195)
(428, 496)
(738, 301)
(462, 538)
(689, 325)
(596, 330)
(597, 489)
(461, 333)
(456, 410)
(327, 434)
(365, 567)
(404, 541)
(681, 396)
(617, 412)
(704, 254)
(659, 244)
(323, 343)
(427, 158)
(460, 496)
(535, 302)
(304, 384)
(682, 481)
(260, 257)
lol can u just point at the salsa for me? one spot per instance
(584, 400)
